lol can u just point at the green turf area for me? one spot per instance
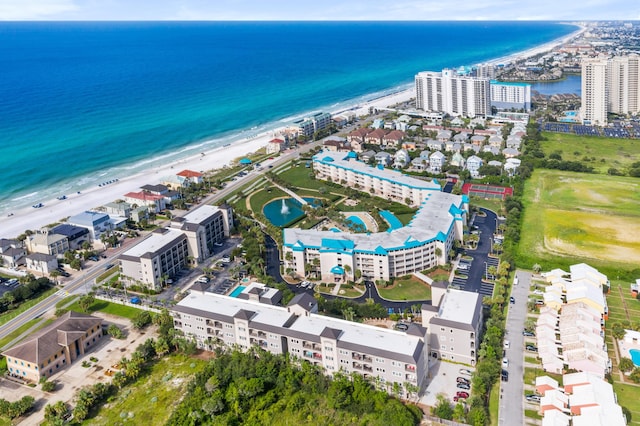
(628, 396)
(406, 289)
(532, 414)
(349, 291)
(576, 217)
(152, 398)
(617, 153)
(496, 206)
(23, 328)
(494, 404)
(300, 177)
(108, 308)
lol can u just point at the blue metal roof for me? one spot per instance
(338, 244)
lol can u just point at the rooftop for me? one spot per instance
(155, 242)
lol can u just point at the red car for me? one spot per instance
(461, 394)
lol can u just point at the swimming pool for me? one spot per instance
(391, 219)
(237, 291)
(635, 356)
(355, 223)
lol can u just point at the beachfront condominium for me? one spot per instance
(385, 355)
(610, 85)
(510, 96)
(307, 126)
(453, 93)
(424, 243)
(166, 251)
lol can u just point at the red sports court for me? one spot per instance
(486, 191)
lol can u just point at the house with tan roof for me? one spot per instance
(375, 137)
(358, 135)
(393, 138)
(54, 347)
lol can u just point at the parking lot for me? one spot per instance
(461, 278)
(442, 379)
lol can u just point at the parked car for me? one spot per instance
(505, 362)
(461, 394)
(504, 376)
(507, 344)
(462, 380)
(531, 348)
(465, 372)
(528, 333)
(135, 300)
(512, 300)
(463, 386)
(532, 398)
(402, 326)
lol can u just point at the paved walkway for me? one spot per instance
(291, 193)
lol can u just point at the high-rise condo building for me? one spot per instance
(452, 93)
(594, 92)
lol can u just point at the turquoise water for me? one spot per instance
(635, 356)
(280, 216)
(237, 291)
(570, 84)
(356, 223)
(81, 102)
(391, 219)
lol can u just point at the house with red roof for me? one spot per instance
(187, 177)
(276, 145)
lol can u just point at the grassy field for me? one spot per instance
(616, 153)
(300, 176)
(259, 198)
(580, 217)
(406, 289)
(152, 398)
(494, 404)
(108, 308)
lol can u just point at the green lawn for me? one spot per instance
(406, 289)
(494, 205)
(300, 177)
(576, 217)
(260, 198)
(494, 404)
(152, 398)
(616, 153)
(108, 308)
(23, 328)
(347, 291)
(628, 396)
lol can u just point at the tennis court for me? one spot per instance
(486, 191)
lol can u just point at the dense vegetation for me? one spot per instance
(258, 387)
(31, 288)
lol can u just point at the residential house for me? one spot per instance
(169, 195)
(457, 160)
(367, 156)
(339, 121)
(274, 146)
(511, 166)
(96, 223)
(401, 159)
(495, 163)
(154, 202)
(424, 155)
(461, 137)
(451, 146)
(336, 144)
(418, 164)
(435, 145)
(444, 135)
(76, 235)
(409, 145)
(473, 165)
(375, 137)
(43, 263)
(492, 149)
(54, 347)
(12, 253)
(496, 141)
(47, 243)
(510, 152)
(383, 158)
(478, 140)
(394, 138)
(437, 160)
(188, 177)
(457, 122)
(358, 135)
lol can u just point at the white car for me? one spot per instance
(538, 292)
(507, 344)
(505, 362)
(465, 372)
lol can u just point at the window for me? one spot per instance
(380, 360)
(397, 373)
(443, 347)
(441, 328)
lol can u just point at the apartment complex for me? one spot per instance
(54, 347)
(309, 125)
(610, 85)
(454, 323)
(422, 244)
(168, 250)
(333, 344)
(204, 227)
(509, 95)
(452, 93)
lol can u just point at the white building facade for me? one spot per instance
(452, 93)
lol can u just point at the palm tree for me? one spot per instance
(55, 274)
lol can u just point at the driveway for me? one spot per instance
(442, 379)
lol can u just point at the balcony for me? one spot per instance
(312, 346)
(367, 368)
(410, 378)
(307, 354)
(177, 324)
(217, 324)
(366, 358)
(317, 356)
(357, 365)
(355, 355)
(410, 367)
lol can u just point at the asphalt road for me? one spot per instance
(512, 391)
(486, 227)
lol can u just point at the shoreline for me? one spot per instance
(210, 157)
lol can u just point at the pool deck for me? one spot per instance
(369, 222)
(625, 348)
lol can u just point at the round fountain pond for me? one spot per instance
(283, 211)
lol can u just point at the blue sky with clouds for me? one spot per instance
(319, 10)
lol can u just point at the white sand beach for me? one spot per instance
(54, 210)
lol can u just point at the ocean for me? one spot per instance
(82, 102)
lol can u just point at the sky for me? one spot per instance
(350, 10)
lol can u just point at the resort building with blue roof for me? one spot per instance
(422, 244)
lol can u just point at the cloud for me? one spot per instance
(12, 10)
